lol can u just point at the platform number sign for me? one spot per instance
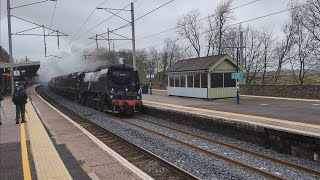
(238, 76)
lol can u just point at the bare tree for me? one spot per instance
(211, 35)
(305, 45)
(267, 52)
(230, 41)
(253, 53)
(312, 18)
(170, 54)
(154, 60)
(4, 56)
(222, 14)
(282, 49)
(189, 27)
(142, 65)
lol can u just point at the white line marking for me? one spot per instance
(315, 104)
(282, 98)
(264, 104)
(159, 90)
(115, 155)
(93, 176)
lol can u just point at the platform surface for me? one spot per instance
(84, 157)
(49, 146)
(301, 116)
(16, 160)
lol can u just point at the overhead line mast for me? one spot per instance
(133, 38)
(9, 8)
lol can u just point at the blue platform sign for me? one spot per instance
(237, 76)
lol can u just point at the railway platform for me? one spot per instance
(299, 116)
(50, 146)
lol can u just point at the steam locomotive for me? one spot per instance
(114, 88)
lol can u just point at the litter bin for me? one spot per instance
(145, 89)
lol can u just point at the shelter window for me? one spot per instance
(171, 81)
(182, 80)
(190, 80)
(177, 81)
(197, 80)
(228, 82)
(216, 80)
(204, 80)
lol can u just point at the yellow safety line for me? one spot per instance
(24, 153)
(238, 114)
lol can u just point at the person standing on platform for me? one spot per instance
(19, 99)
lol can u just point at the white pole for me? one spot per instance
(133, 38)
(10, 46)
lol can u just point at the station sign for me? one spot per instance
(238, 76)
(150, 76)
(16, 73)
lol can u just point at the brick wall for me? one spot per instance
(290, 91)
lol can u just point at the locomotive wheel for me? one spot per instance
(101, 107)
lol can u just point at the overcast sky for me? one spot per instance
(71, 14)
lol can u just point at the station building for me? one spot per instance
(23, 72)
(203, 77)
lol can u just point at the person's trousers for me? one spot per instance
(20, 109)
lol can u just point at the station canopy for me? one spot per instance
(30, 67)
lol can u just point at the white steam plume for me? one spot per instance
(56, 67)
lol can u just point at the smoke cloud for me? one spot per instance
(62, 66)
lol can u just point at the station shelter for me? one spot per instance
(25, 72)
(203, 77)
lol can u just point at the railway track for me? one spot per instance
(148, 162)
(253, 169)
(231, 146)
(210, 153)
(217, 155)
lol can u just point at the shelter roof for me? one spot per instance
(196, 64)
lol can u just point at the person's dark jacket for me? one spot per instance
(23, 94)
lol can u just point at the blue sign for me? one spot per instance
(237, 76)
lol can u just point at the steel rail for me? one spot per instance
(210, 153)
(280, 161)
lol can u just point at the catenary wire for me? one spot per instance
(174, 28)
(140, 17)
(249, 20)
(54, 11)
(94, 26)
(103, 21)
(88, 18)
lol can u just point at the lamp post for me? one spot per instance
(150, 74)
(237, 80)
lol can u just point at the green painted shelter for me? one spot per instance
(203, 77)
